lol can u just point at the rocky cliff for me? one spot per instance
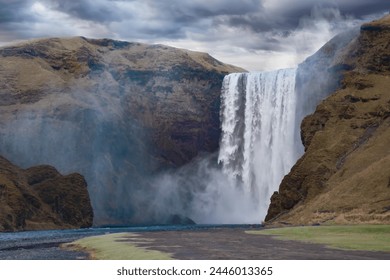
(41, 198)
(116, 112)
(344, 175)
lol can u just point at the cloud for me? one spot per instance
(13, 11)
(92, 10)
(266, 34)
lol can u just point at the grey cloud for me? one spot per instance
(93, 10)
(15, 19)
(287, 16)
(362, 8)
(174, 10)
(205, 8)
(172, 18)
(14, 11)
(273, 26)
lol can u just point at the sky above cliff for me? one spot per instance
(253, 34)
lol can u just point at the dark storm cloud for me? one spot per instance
(174, 10)
(198, 9)
(152, 18)
(94, 10)
(288, 15)
(14, 11)
(172, 17)
(362, 8)
(15, 18)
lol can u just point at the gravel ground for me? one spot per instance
(234, 243)
(187, 243)
(44, 245)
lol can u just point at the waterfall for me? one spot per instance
(259, 143)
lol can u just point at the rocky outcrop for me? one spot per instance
(41, 198)
(116, 112)
(344, 175)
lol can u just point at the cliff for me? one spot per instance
(41, 198)
(344, 174)
(116, 112)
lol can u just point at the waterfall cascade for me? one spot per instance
(259, 143)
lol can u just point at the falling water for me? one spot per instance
(259, 142)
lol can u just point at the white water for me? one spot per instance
(259, 142)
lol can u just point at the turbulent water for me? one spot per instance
(259, 142)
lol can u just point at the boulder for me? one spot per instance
(41, 198)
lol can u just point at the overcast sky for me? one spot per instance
(253, 34)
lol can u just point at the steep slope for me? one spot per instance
(344, 175)
(41, 198)
(116, 112)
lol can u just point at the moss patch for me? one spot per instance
(118, 246)
(359, 237)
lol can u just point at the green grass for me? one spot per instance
(359, 237)
(116, 247)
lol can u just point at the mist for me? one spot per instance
(202, 192)
(87, 132)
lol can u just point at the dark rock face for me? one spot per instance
(41, 198)
(116, 112)
(343, 175)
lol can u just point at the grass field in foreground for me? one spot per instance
(110, 247)
(354, 237)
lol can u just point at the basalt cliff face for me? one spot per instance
(344, 175)
(41, 198)
(116, 112)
